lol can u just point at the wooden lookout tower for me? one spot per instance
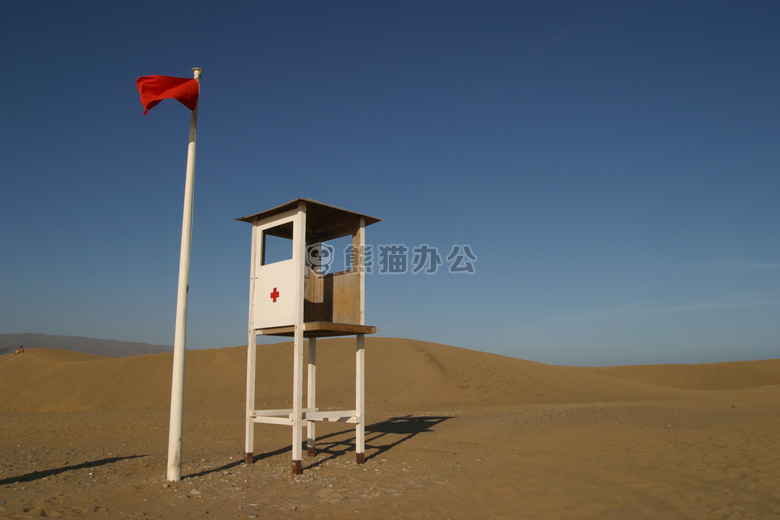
(290, 295)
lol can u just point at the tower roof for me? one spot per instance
(323, 221)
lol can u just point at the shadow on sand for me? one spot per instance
(35, 475)
(380, 437)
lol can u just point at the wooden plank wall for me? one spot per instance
(340, 291)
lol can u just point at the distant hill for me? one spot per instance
(98, 347)
(401, 373)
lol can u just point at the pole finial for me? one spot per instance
(197, 71)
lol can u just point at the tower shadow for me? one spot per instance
(380, 437)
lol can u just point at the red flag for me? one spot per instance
(154, 89)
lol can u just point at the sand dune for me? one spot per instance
(403, 371)
(452, 433)
(712, 376)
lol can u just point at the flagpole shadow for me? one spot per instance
(36, 475)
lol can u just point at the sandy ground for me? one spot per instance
(492, 438)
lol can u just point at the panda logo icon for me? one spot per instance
(319, 257)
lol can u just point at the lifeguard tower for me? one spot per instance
(289, 297)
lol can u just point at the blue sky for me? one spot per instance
(612, 165)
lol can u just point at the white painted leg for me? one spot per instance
(251, 363)
(311, 397)
(360, 400)
(297, 400)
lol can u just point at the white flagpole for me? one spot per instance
(180, 336)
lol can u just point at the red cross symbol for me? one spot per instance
(275, 294)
